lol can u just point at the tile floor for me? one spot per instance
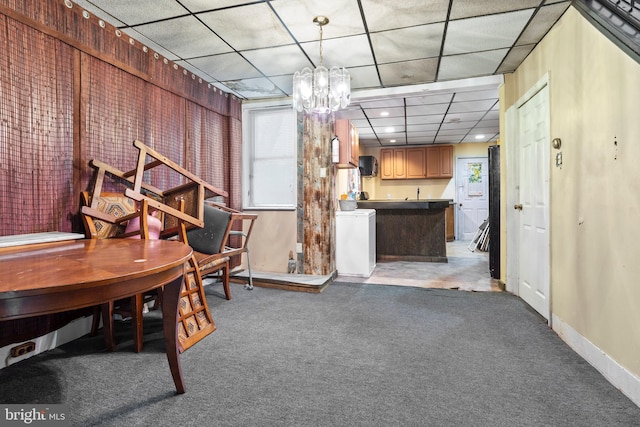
(466, 270)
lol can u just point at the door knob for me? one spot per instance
(518, 207)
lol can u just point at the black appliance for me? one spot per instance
(368, 166)
(494, 211)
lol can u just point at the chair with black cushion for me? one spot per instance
(214, 243)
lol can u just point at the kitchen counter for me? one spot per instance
(410, 230)
(404, 204)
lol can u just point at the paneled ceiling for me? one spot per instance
(423, 71)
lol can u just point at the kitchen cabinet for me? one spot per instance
(450, 228)
(394, 163)
(349, 144)
(440, 162)
(417, 162)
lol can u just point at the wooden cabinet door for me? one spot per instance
(446, 161)
(349, 144)
(416, 162)
(386, 163)
(433, 162)
(399, 163)
(440, 162)
(355, 146)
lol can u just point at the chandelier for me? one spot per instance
(321, 90)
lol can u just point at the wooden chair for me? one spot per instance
(182, 206)
(106, 215)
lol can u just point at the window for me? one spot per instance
(269, 169)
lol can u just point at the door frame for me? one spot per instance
(512, 156)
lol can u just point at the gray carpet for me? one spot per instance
(355, 355)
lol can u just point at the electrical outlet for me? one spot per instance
(22, 349)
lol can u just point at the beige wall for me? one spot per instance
(429, 188)
(274, 235)
(595, 196)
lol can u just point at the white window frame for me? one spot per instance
(287, 199)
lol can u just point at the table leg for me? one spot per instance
(136, 320)
(107, 325)
(170, 297)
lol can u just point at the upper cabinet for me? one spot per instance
(349, 144)
(417, 162)
(440, 161)
(394, 163)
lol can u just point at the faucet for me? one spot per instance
(418, 195)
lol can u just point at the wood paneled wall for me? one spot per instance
(74, 89)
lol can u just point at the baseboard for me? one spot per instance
(73, 330)
(620, 377)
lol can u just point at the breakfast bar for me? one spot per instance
(409, 230)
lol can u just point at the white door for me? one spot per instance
(472, 183)
(533, 206)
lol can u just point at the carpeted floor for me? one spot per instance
(357, 354)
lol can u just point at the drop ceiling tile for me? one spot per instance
(227, 66)
(425, 110)
(464, 117)
(202, 5)
(408, 72)
(542, 22)
(420, 137)
(485, 33)
(248, 27)
(384, 15)
(466, 8)
(395, 122)
(444, 98)
(185, 37)
(383, 103)
(351, 114)
(289, 60)
(364, 77)
(387, 133)
(156, 48)
(346, 52)
(420, 140)
(285, 83)
(431, 127)
(514, 58)
(470, 106)
(470, 64)
(344, 18)
(484, 130)
(423, 41)
(254, 88)
(391, 112)
(458, 126)
(96, 11)
(413, 120)
(141, 11)
(476, 95)
(492, 115)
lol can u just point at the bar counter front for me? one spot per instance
(410, 230)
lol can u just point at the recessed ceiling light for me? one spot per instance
(384, 113)
(479, 136)
(392, 140)
(389, 129)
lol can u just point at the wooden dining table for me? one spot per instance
(45, 278)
